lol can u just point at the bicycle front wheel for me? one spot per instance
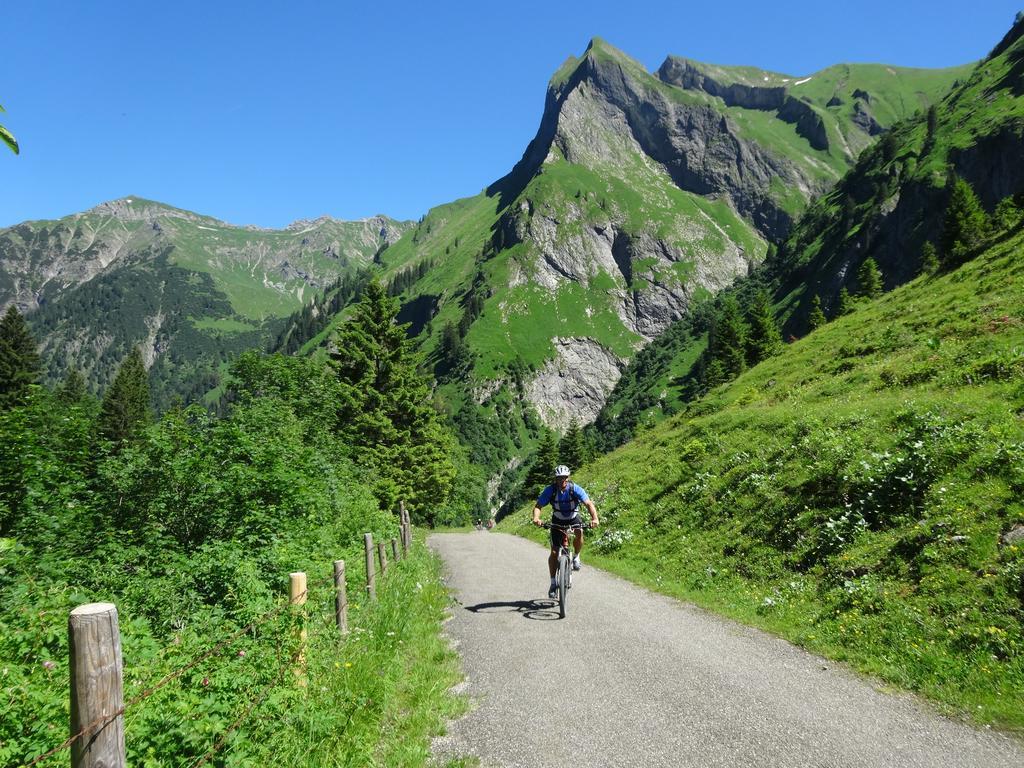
(564, 569)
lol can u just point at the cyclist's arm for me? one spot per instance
(594, 522)
(536, 515)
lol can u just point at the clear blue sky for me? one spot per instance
(265, 112)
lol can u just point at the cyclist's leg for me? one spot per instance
(577, 542)
(556, 542)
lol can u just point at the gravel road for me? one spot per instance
(631, 678)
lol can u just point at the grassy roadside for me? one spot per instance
(378, 697)
(858, 495)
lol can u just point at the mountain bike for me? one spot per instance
(563, 576)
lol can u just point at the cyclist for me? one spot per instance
(565, 497)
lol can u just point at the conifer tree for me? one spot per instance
(544, 462)
(714, 374)
(72, 390)
(870, 278)
(929, 259)
(846, 305)
(385, 412)
(965, 226)
(727, 340)
(765, 339)
(126, 403)
(572, 448)
(816, 318)
(19, 359)
(1006, 215)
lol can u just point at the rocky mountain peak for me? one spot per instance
(301, 224)
(134, 208)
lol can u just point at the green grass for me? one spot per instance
(377, 697)
(849, 494)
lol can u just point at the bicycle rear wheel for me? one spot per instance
(564, 567)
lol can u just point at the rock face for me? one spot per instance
(643, 253)
(575, 383)
(772, 98)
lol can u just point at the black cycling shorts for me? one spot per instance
(556, 533)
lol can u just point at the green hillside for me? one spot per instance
(889, 205)
(859, 494)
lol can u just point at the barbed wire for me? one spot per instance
(255, 702)
(104, 720)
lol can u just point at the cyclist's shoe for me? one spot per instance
(553, 589)
(576, 564)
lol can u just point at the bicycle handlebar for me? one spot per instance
(584, 525)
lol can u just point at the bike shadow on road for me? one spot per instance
(538, 610)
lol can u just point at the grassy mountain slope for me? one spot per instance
(891, 202)
(859, 493)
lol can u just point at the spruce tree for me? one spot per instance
(870, 278)
(714, 374)
(72, 390)
(126, 403)
(929, 259)
(544, 461)
(1006, 215)
(727, 340)
(965, 226)
(571, 448)
(765, 339)
(816, 318)
(19, 359)
(385, 413)
(846, 305)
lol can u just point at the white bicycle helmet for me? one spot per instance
(562, 471)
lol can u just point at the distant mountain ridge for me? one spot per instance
(189, 289)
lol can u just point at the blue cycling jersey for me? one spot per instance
(563, 503)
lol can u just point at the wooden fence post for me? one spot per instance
(371, 588)
(340, 597)
(382, 555)
(297, 597)
(406, 526)
(394, 549)
(97, 689)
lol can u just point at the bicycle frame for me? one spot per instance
(563, 576)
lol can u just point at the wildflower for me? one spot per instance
(348, 664)
(206, 681)
(48, 665)
(241, 654)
